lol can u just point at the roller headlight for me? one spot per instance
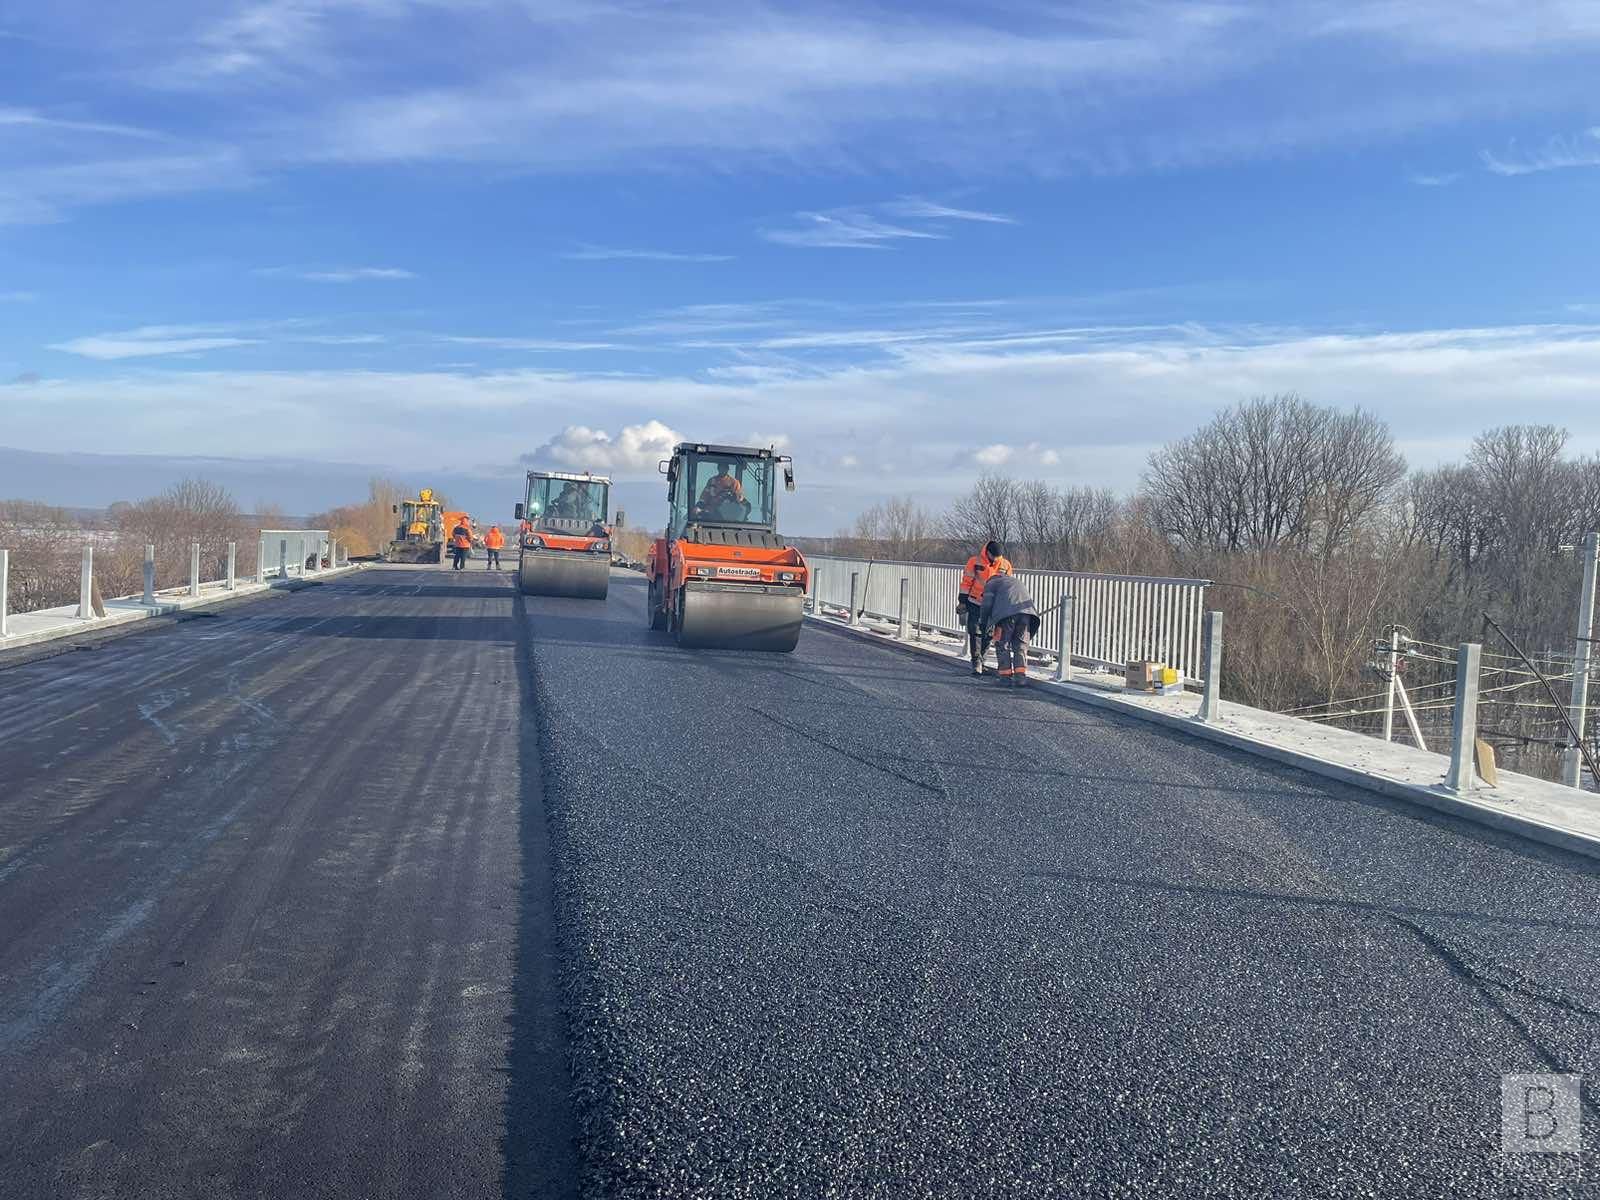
(787, 576)
(704, 570)
(603, 546)
(533, 542)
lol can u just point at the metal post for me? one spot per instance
(333, 553)
(86, 585)
(1211, 661)
(5, 580)
(194, 568)
(283, 558)
(855, 585)
(1064, 642)
(1394, 668)
(149, 575)
(1464, 721)
(233, 563)
(905, 588)
(1572, 758)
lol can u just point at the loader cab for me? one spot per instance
(723, 488)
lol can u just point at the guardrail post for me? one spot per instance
(5, 580)
(1464, 721)
(194, 568)
(1211, 663)
(149, 597)
(233, 563)
(855, 585)
(905, 590)
(1064, 644)
(1572, 757)
(333, 553)
(283, 558)
(86, 585)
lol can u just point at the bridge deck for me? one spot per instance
(279, 917)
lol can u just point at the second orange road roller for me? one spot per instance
(722, 576)
(564, 543)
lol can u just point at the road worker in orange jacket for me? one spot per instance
(494, 541)
(979, 567)
(460, 545)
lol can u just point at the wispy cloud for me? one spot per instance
(588, 253)
(154, 340)
(866, 227)
(1443, 179)
(338, 274)
(35, 194)
(27, 118)
(1559, 153)
(535, 345)
(843, 229)
(916, 207)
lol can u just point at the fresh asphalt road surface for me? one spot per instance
(274, 907)
(403, 886)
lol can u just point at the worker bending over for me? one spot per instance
(460, 546)
(1008, 609)
(493, 542)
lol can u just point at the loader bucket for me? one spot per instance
(578, 573)
(739, 616)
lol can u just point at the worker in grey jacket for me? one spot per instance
(1011, 613)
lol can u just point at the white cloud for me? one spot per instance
(339, 274)
(1000, 454)
(533, 345)
(604, 253)
(916, 207)
(154, 340)
(842, 228)
(1099, 404)
(1556, 154)
(1443, 179)
(27, 118)
(636, 449)
(778, 441)
(37, 193)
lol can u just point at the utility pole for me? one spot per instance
(1392, 636)
(1572, 757)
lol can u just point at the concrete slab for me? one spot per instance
(1536, 809)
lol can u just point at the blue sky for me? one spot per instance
(909, 243)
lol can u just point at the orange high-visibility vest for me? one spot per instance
(494, 539)
(461, 540)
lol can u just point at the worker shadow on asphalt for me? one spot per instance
(385, 628)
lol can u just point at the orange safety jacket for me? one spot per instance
(986, 569)
(494, 539)
(460, 538)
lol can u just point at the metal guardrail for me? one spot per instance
(1115, 618)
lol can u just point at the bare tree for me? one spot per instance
(986, 513)
(1277, 472)
(44, 544)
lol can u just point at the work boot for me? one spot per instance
(1019, 680)
(977, 666)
